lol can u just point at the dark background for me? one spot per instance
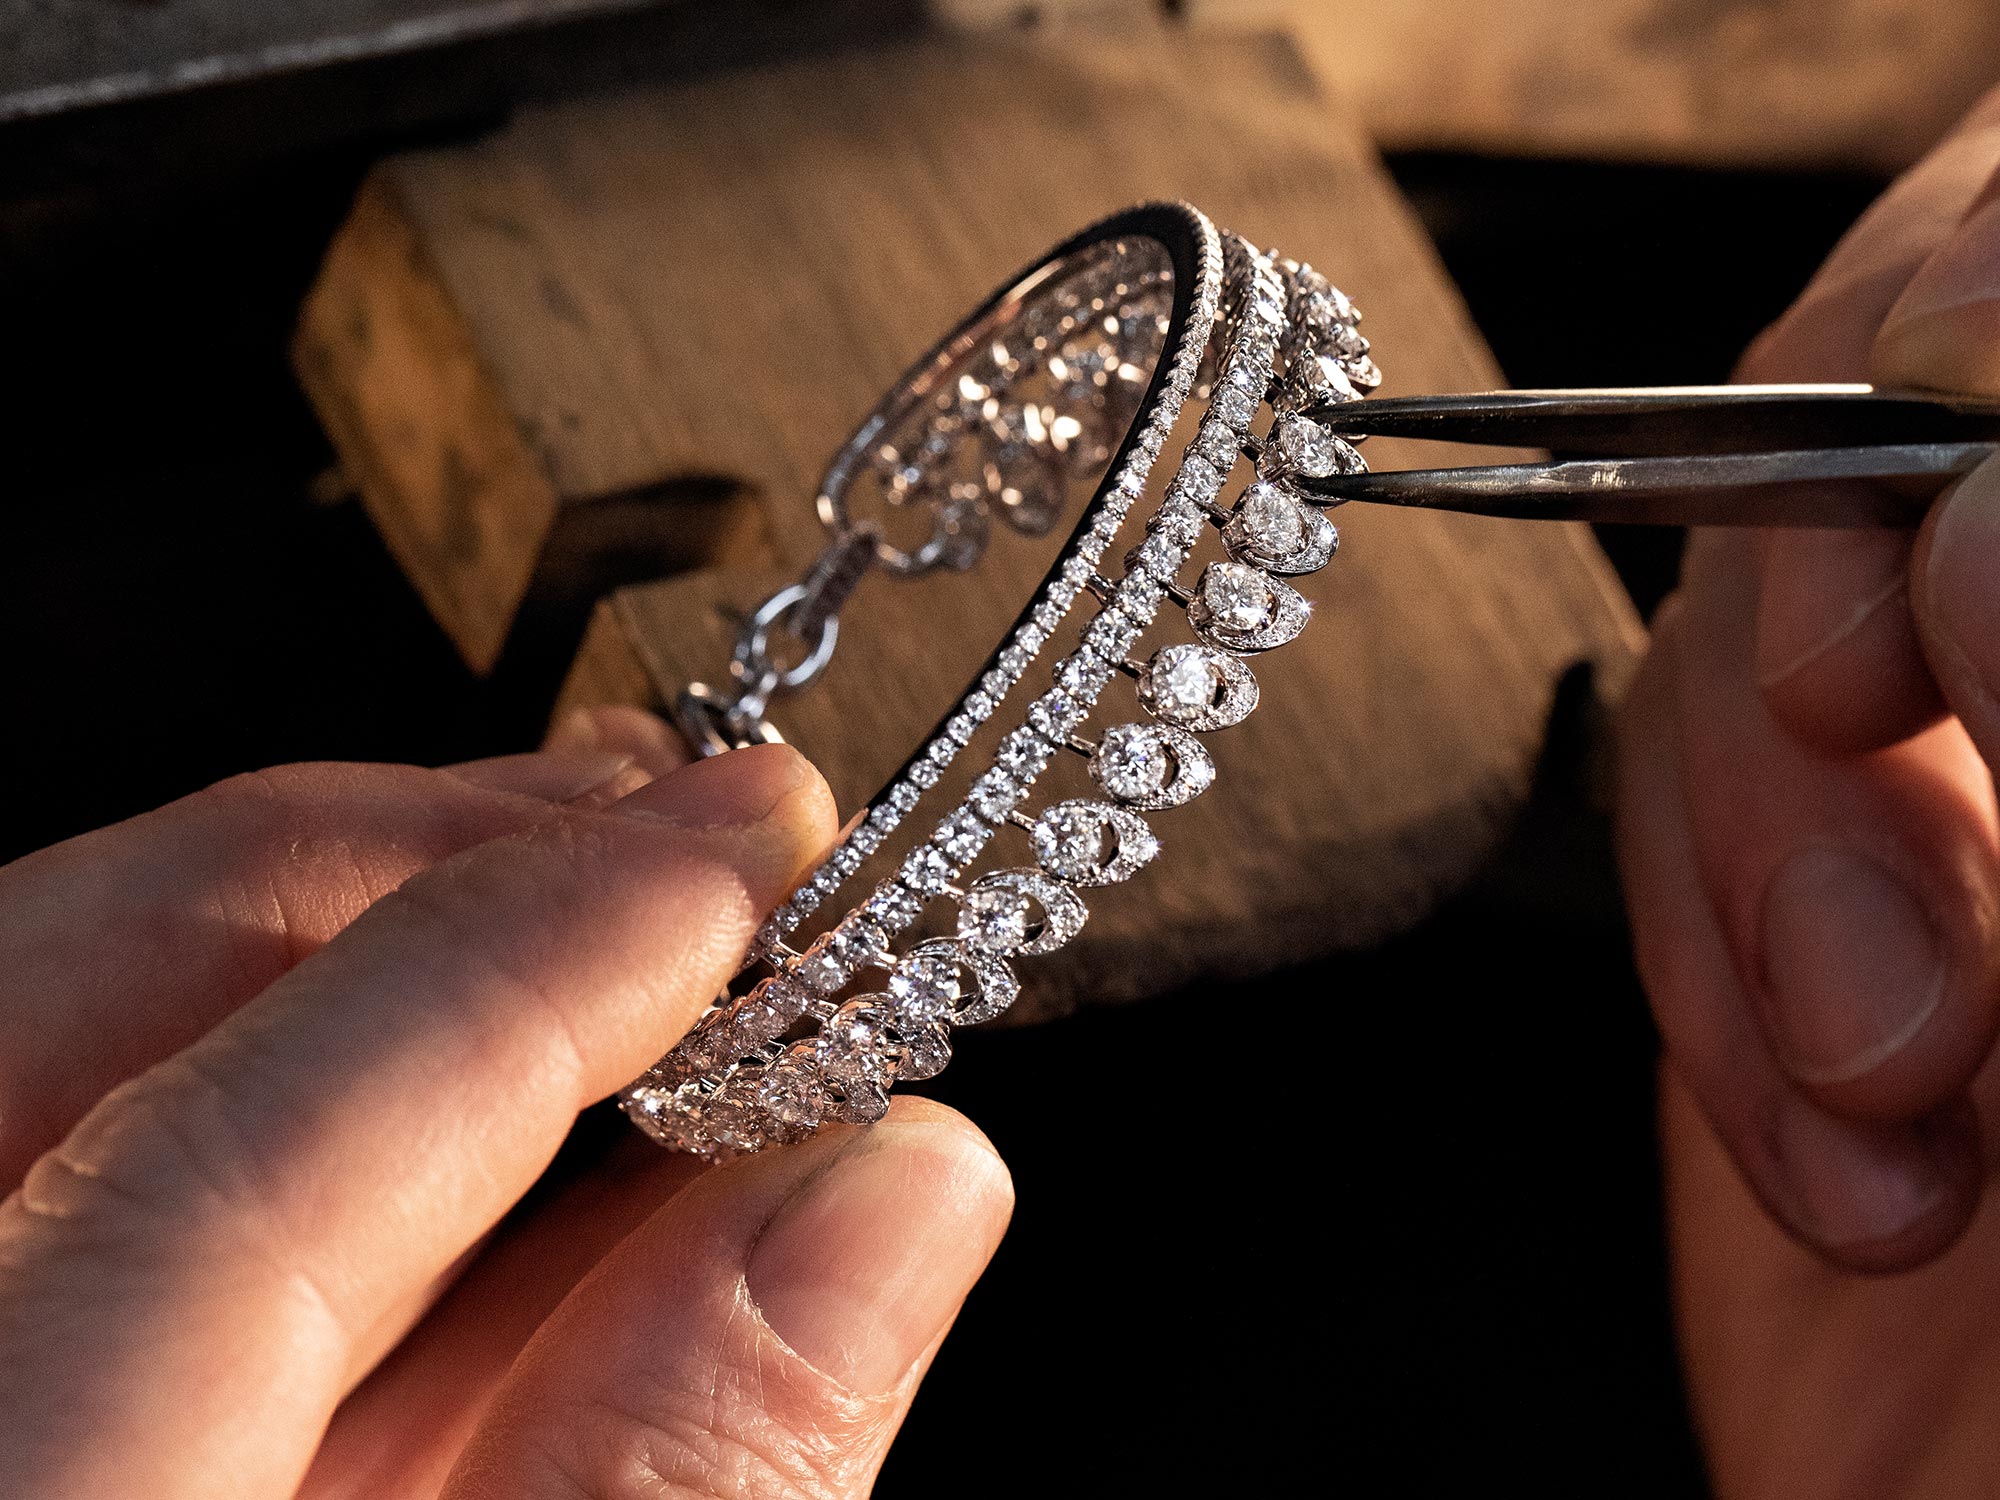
(1428, 1266)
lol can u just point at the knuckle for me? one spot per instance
(167, 1177)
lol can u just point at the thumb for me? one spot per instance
(762, 1335)
(1955, 587)
(1944, 333)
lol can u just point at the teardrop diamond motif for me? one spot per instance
(1151, 765)
(1019, 911)
(1240, 608)
(945, 978)
(1197, 687)
(1092, 843)
(1273, 529)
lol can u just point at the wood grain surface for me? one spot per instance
(718, 279)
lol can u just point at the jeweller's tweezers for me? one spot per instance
(1729, 455)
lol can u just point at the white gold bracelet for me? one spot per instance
(1085, 362)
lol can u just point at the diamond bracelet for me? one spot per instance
(1083, 364)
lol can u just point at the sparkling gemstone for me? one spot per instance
(892, 906)
(852, 1045)
(994, 794)
(927, 870)
(821, 968)
(1056, 713)
(1185, 685)
(862, 1102)
(961, 836)
(1320, 380)
(925, 1053)
(1017, 911)
(1239, 597)
(1236, 406)
(1151, 765)
(1083, 675)
(1271, 520)
(1067, 839)
(789, 1091)
(1133, 766)
(781, 997)
(996, 918)
(1022, 754)
(859, 943)
(924, 988)
(1305, 447)
(1160, 554)
(736, 1126)
(1092, 843)
(1111, 635)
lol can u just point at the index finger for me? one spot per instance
(185, 1282)
(1838, 656)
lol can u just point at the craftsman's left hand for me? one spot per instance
(278, 1064)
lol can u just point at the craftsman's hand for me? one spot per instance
(1809, 844)
(277, 1065)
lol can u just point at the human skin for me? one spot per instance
(1808, 840)
(279, 1062)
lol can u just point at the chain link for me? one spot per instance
(808, 613)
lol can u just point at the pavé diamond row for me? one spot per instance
(1113, 333)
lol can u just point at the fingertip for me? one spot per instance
(563, 774)
(1872, 1198)
(1838, 662)
(863, 1267)
(648, 739)
(1958, 603)
(1943, 333)
(769, 798)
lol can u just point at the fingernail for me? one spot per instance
(1852, 964)
(1959, 599)
(1944, 330)
(646, 737)
(732, 790)
(561, 775)
(863, 1267)
(1850, 1184)
(575, 730)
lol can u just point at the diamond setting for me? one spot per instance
(1273, 529)
(1241, 608)
(1150, 766)
(1197, 688)
(1092, 843)
(1019, 911)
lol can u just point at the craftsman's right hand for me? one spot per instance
(1808, 838)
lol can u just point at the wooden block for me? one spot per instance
(720, 278)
